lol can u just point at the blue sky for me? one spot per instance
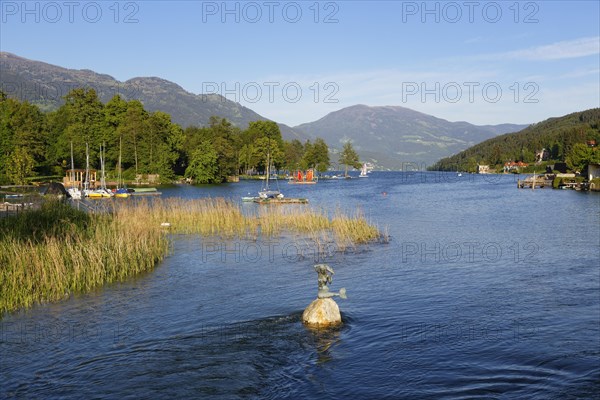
(294, 62)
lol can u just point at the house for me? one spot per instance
(542, 155)
(512, 166)
(483, 169)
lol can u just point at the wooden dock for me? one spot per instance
(13, 209)
(539, 181)
(285, 200)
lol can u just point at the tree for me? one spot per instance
(223, 136)
(579, 157)
(349, 157)
(203, 166)
(7, 109)
(265, 146)
(292, 154)
(134, 124)
(246, 158)
(20, 166)
(266, 138)
(320, 155)
(84, 124)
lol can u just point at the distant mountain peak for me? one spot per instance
(396, 135)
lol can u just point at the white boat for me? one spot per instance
(363, 171)
(100, 193)
(266, 192)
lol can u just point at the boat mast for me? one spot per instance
(72, 167)
(102, 177)
(120, 149)
(268, 170)
(86, 184)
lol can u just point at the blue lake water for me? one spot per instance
(483, 291)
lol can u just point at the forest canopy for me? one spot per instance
(565, 140)
(37, 144)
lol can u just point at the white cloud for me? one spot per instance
(581, 47)
(389, 87)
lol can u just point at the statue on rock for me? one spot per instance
(326, 276)
(324, 311)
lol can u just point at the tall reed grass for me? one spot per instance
(47, 254)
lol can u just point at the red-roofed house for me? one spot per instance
(512, 166)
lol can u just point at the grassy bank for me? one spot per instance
(49, 253)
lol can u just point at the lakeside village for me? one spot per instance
(555, 175)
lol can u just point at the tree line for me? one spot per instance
(37, 144)
(565, 140)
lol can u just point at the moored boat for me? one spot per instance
(303, 179)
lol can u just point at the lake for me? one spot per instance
(483, 291)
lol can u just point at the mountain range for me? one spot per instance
(388, 136)
(392, 135)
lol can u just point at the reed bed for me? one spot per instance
(74, 253)
(207, 217)
(350, 231)
(47, 254)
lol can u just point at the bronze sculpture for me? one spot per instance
(325, 277)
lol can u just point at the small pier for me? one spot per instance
(539, 181)
(285, 200)
(7, 209)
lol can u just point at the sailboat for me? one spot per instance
(73, 191)
(364, 171)
(266, 192)
(102, 192)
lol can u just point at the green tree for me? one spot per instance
(114, 116)
(320, 156)
(579, 157)
(266, 138)
(265, 146)
(20, 166)
(23, 126)
(245, 158)
(203, 166)
(349, 157)
(292, 153)
(7, 109)
(131, 130)
(84, 124)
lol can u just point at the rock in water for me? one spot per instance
(322, 313)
